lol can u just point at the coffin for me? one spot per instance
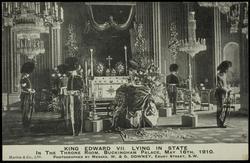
(104, 88)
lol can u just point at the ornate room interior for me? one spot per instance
(106, 36)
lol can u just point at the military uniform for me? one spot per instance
(172, 84)
(75, 94)
(221, 95)
(27, 100)
(63, 98)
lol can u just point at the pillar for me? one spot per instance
(55, 46)
(157, 34)
(11, 69)
(244, 68)
(217, 56)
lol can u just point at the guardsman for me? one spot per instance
(222, 93)
(172, 82)
(75, 93)
(27, 93)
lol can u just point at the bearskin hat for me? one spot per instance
(173, 67)
(72, 63)
(28, 67)
(224, 66)
(63, 68)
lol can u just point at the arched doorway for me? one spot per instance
(231, 53)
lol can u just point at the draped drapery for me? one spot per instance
(111, 22)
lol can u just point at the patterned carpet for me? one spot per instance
(48, 129)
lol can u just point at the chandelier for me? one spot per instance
(232, 11)
(30, 45)
(28, 20)
(192, 46)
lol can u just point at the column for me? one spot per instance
(244, 69)
(217, 56)
(6, 63)
(55, 46)
(244, 75)
(16, 65)
(157, 34)
(11, 68)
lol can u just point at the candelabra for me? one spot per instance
(30, 47)
(192, 46)
(29, 19)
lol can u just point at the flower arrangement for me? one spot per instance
(140, 44)
(54, 105)
(150, 78)
(99, 69)
(71, 44)
(119, 68)
(173, 44)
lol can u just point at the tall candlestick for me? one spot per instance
(36, 11)
(15, 4)
(38, 7)
(56, 10)
(46, 8)
(86, 72)
(61, 13)
(126, 59)
(94, 101)
(91, 64)
(8, 8)
(48, 5)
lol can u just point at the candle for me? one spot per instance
(126, 59)
(38, 7)
(15, 4)
(61, 13)
(46, 8)
(91, 60)
(8, 8)
(86, 72)
(56, 10)
(186, 42)
(48, 5)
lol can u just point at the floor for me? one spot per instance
(48, 128)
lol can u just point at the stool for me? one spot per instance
(93, 125)
(165, 112)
